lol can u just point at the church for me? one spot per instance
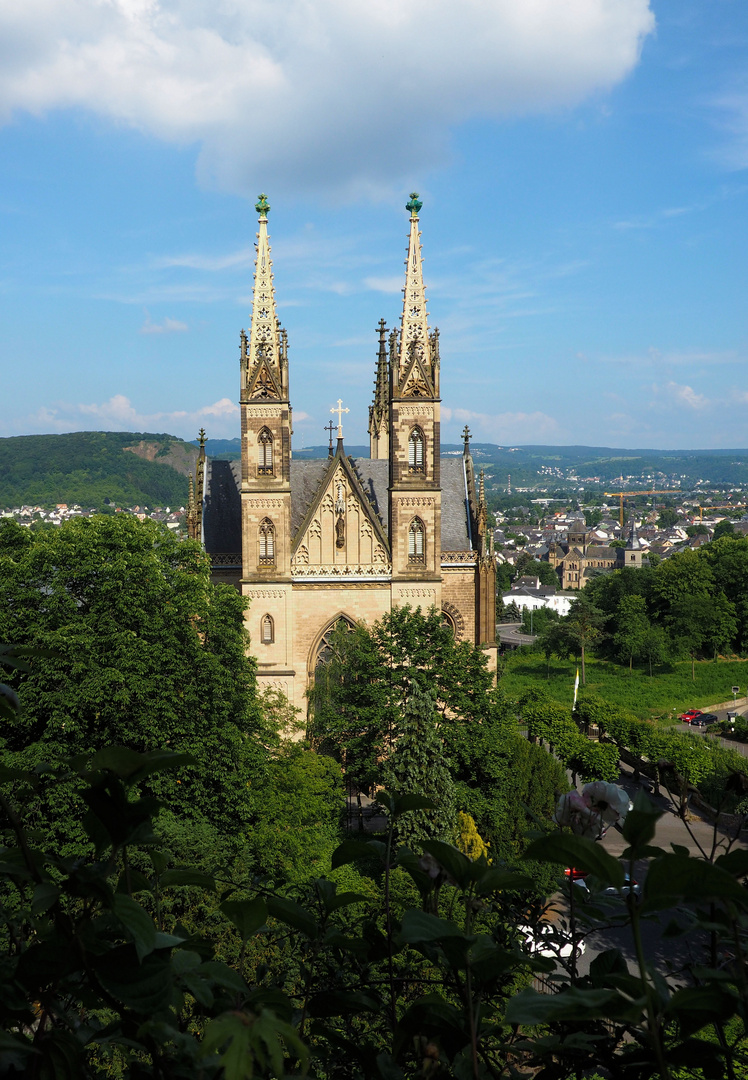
(314, 542)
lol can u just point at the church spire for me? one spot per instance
(417, 361)
(264, 357)
(379, 412)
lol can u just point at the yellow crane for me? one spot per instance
(723, 506)
(621, 494)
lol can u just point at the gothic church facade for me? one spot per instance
(344, 538)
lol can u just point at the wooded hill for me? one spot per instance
(91, 467)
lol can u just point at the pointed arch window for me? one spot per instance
(267, 633)
(267, 542)
(416, 542)
(265, 453)
(416, 457)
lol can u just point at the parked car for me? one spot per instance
(689, 716)
(577, 876)
(704, 719)
(550, 941)
(630, 887)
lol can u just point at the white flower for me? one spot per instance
(591, 813)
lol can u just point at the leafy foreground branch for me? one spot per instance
(418, 971)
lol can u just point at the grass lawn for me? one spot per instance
(668, 692)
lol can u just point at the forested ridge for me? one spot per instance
(90, 467)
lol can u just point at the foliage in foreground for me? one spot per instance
(98, 981)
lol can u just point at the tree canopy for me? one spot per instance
(136, 647)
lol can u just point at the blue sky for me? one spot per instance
(583, 167)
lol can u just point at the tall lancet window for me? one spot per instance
(265, 453)
(267, 542)
(268, 630)
(416, 542)
(415, 451)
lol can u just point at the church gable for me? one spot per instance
(340, 535)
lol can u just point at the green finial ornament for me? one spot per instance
(262, 206)
(414, 204)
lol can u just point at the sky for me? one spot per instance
(583, 168)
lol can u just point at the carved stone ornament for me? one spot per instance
(265, 594)
(329, 570)
(415, 412)
(266, 412)
(458, 558)
(260, 504)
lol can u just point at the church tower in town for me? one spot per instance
(338, 539)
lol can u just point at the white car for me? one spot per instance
(548, 940)
(630, 887)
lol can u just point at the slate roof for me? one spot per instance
(222, 503)
(222, 507)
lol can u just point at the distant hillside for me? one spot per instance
(91, 467)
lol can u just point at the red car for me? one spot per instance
(687, 717)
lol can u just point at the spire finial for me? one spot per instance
(201, 438)
(414, 204)
(340, 410)
(330, 428)
(466, 437)
(262, 206)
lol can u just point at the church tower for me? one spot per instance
(266, 469)
(414, 442)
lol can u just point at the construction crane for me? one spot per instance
(620, 495)
(723, 506)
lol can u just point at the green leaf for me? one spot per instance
(187, 877)
(422, 926)
(452, 860)
(129, 765)
(530, 1008)
(353, 850)
(674, 878)
(45, 895)
(137, 922)
(566, 850)
(495, 880)
(145, 987)
(734, 862)
(404, 804)
(222, 975)
(246, 915)
(639, 825)
(293, 914)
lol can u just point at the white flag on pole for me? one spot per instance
(576, 687)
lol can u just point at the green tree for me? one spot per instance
(632, 625)
(416, 767)
(668, 518)
(723, 528)
(139, 649)
(583, 627)
(526, 566)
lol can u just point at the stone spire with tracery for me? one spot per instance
(264, 354)
(417, 360)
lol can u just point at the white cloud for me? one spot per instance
(168, 326)
(221, 418)
(684, 395)
(515, 427)
(355, 94)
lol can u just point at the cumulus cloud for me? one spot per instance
(682, 394)
(221, 418)
(515, 427)
(168, 326)
(355, 92)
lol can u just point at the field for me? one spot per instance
(667, 693)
